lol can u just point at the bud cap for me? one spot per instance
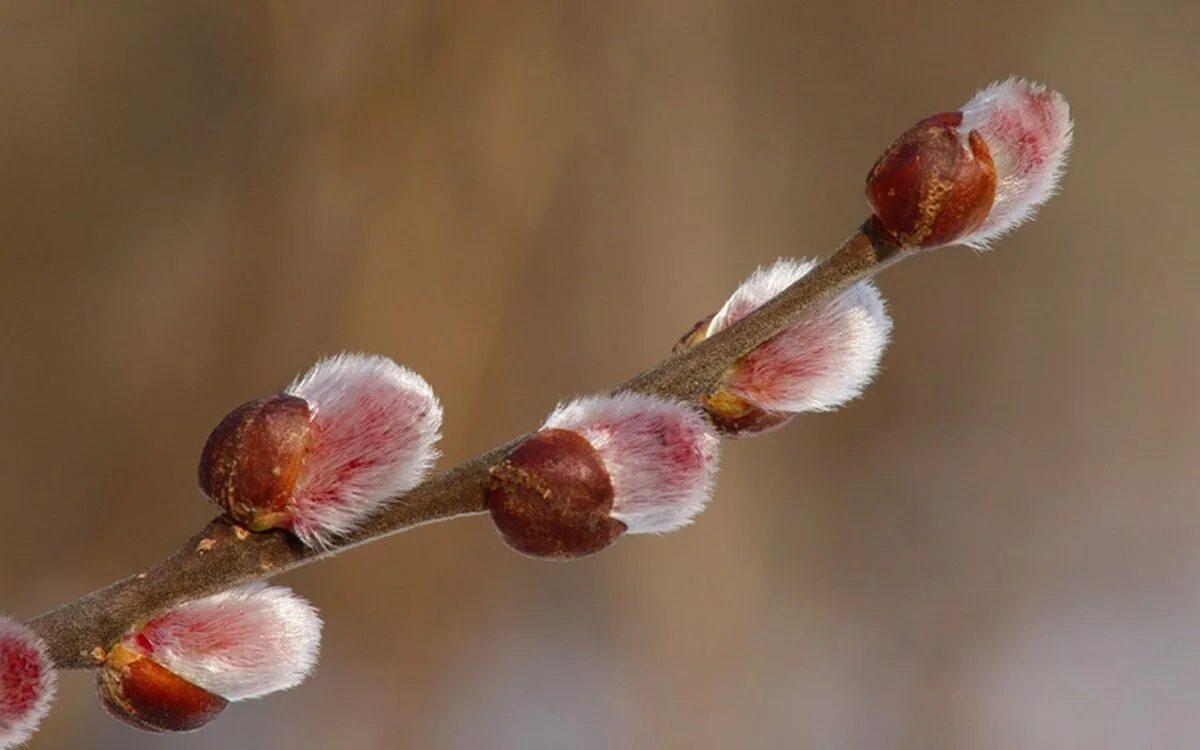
(253, 458)
(144, 694)
(933, 184)
(552, 498)
(661, 456)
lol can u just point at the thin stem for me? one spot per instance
(224, 554)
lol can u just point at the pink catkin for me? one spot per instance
(661, 456)
(242, 643)
(27, 682)
(1028, 131)
(375, 425)
(817, 364)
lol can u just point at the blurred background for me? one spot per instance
(998, 547)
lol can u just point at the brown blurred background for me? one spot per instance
(999, 547)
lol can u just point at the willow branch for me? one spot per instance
(224, 554)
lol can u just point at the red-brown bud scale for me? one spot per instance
(146, 695)
(735, 417)
(254, 457)
(551, 497)
(929, 188)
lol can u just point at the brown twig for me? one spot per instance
(224, 554)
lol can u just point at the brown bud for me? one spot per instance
(144, 694)
(734, 417)
(254, 457)
(929, 188)
(551, 497)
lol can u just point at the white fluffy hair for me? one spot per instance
(1028, 130)
(661, 456)
(376, 426)
(242, 643)
(27, 682)
(819, 363)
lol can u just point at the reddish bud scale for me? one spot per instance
(735, 417)
(929, 188)
(551, 497)
(144, 694)
(254, 457)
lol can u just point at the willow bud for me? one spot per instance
(600, 467)
(336, 446)
(972, 175)
(180, 669)
(815, 365)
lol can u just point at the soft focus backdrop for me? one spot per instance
(998, 547)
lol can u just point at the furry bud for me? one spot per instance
(602, 466)
(1028, 131)
(970, 176)
(337, 445)
(815, 365)
(180, 669)
(27, 682)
